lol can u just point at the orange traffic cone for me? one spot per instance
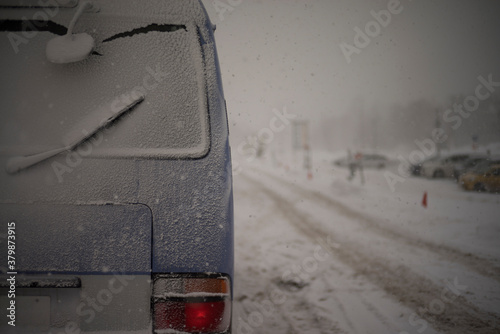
(424, 200)
(309, 175)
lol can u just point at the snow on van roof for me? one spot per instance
(186, 10)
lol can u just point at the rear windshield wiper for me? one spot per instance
(96, 121)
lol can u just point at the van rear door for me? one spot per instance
(90, 263)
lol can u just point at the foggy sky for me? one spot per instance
(286, 53)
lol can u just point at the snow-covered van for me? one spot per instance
(116, 210)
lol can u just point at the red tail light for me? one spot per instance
(192, 304)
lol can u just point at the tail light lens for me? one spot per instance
(191, 304)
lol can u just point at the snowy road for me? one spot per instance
(328, 256)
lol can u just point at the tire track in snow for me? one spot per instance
(294, 309)
(297, 314)
(478, 264)
(409, 288)
(351, 303)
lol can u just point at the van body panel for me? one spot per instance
(150, 194)
(58, 238)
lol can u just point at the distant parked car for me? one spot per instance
(467, 165)
(416, 169)
(484, 178)
(374, 160)
(442, 167)
(366, 160)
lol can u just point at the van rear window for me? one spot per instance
(41, 101)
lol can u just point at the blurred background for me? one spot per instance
(366, 159)
(303, 56)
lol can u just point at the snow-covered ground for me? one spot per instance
(326, 255)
